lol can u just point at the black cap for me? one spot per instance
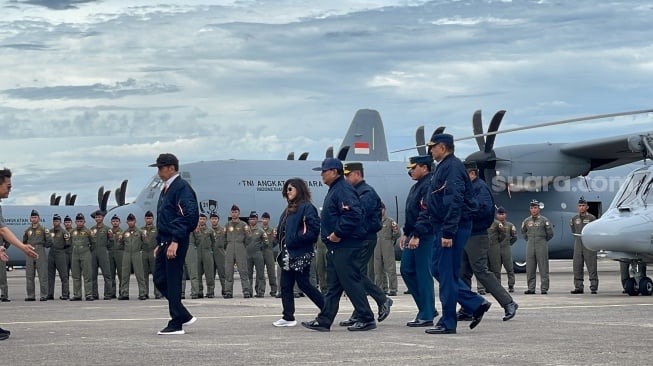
(67, 219)
(149, 214)
(582, 201)
(34, 213)
(213, 214)
(202, 215)
(535, 203)
(419, 159)
(235, 208)
(80, 216)
(253, 215)
(437, 138)
(265, 215)
(501, 210)
(56, 217)
(350, 167)
(115, 217)
(131, 217)
(165, 159)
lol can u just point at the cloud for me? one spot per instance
(56, 4)
(119, 89)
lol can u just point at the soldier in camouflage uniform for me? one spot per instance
(57, 259)
(4, 288)
(82, 243)
(236, 235)
(268, 254)
(258, 239)
(537, 231)
(218, 250)
(100, 255)
(115, 255)
(582, 254)
(68, 226)
(204, 240)
(503, 234)
(149, 243)
(39, 237)
(190, 271)
(385, 266)
(132, 259)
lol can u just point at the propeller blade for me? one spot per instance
(342, 154)
(329, 152)
(477, 126)
(291, 156)
(494, 126)
(123, 193)
(57, 200)
(439, 130)
(117, 195)
(105, 199)
(67, 199)
(73, 198)
(100, 194)
(303, 156)
(420, 141)
(53, 196)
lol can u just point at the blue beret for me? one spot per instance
(80, 216)
(441, 138)
(501, 210)
(582, 201)
(328, 164)
(535, 203)
(34, 213)
(56, 217)
(265, 215)
(420, 159)
(115, 217)
(213, 214)
(131, 217)
(149, 214)
(67, 219)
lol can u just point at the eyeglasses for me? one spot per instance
(290, 189)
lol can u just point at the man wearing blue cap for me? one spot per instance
(343, 233)
(537, 231)
(417, 244)
(450, 203)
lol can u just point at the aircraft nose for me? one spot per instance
(618, 233)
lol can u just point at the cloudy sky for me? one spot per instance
(92, 91)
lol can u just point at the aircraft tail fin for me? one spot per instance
(365, 138)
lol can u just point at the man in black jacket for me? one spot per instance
(177, 217)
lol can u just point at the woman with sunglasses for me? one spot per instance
(298, 230)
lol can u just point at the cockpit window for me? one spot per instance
(631, 188)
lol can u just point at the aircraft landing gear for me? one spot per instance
(631, 287)
(646, 286)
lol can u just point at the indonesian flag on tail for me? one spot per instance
(362, 148)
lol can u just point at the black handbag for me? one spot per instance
(300, 262)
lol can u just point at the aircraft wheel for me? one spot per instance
(645, 286)
(519, 267)
(631, 287)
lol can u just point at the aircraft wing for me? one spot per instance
(607, 152)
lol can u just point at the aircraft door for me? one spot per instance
(595, 208)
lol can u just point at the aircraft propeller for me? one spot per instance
(485, 158)
(329, 152)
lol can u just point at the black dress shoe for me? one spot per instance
(4, 331)
(407, 292)
(5, 299)
(194, 297)
(361, 326)
(49, 298)
(463, 316)
(420, 323)
(482, 292)
(478, 314)
(544, 292)
(259, 296)
(384, 310)
(576, 291)
(123, 298)
(247, 296)
(511, 289)
(200, 296)
(142, 297)
(314, 325)
(90, 298)
(30, 299)
(96, 297)
(511, 310)
(157, 297)
(529, 292)
(210, 296)
(75, 299)
(440, 330)
(43, 298)
(107, 298)
(348, 322)
(63, 297)
(593, 292)
(228, 296)
(392, 293)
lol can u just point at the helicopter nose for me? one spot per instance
(618, 233)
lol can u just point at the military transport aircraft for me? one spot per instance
(625, 231)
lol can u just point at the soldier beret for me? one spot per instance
(202, 215)
(470, 165)
(265, 215)
(149, 214)
(80, 216)
(97, 213)
(501, 210)
(213, 214)
(420, 159)
(535, 203)
(437, 138)
(253, 215)
(350, 167)
(330, 163)
(115, 217)
(582, 201)
(67, 219)
(131, 217)
(34, 213)
(235, 208)
(56, 217)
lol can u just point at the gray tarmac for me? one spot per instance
(609, 328)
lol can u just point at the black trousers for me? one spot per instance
(371, 288)
(167, 279)
(344, 274)
(288, 280)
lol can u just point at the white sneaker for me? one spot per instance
(168, 331)
(191, 321)
(285, 323)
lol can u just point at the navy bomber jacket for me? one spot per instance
(177, 213)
